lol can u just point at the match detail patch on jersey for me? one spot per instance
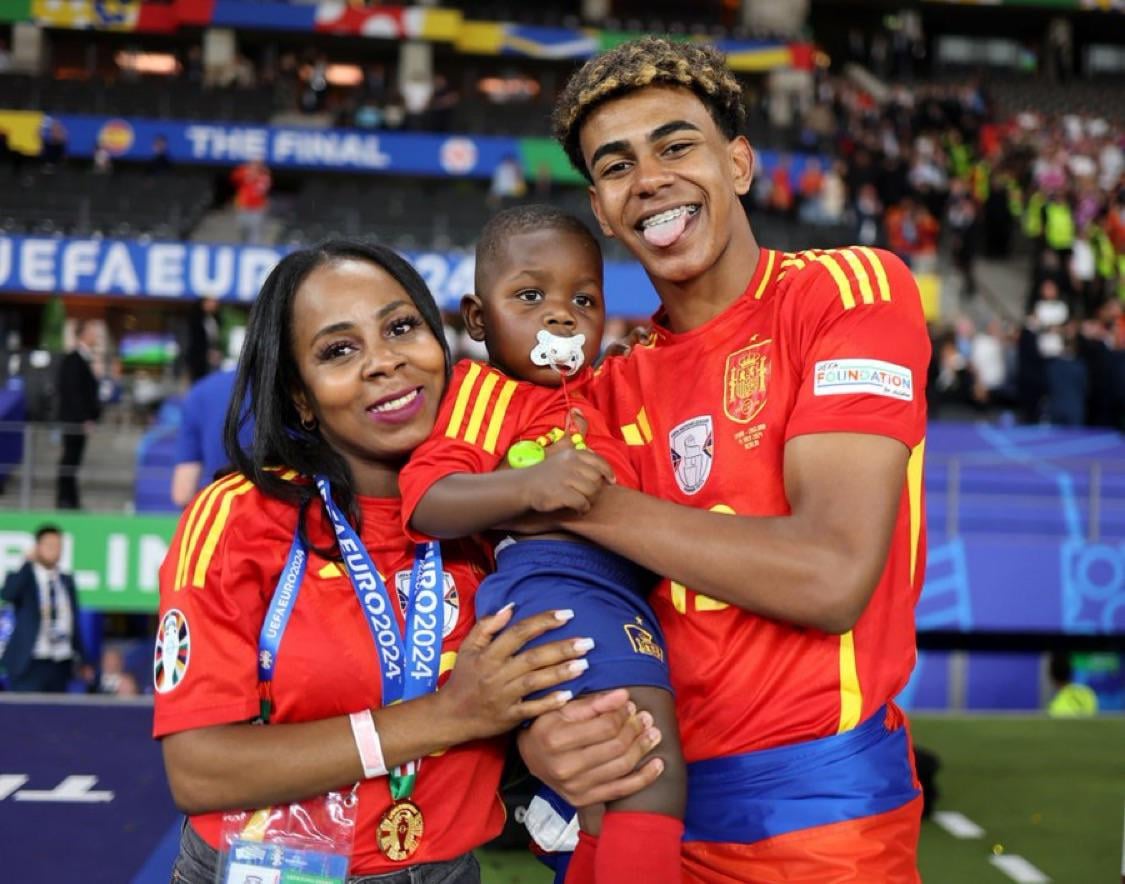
(452, 608)
(172, 653)
(692, 448)
(873, 377)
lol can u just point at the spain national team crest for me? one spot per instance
(452, 602)
(692, 446)
(173, 652)
(745, 382)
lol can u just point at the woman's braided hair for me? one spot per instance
(648, 61)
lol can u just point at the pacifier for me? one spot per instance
(564, 355)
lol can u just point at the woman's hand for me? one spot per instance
(591, 750)
(485, 692)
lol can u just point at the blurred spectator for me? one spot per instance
(192, 68)
(45, 646)
(810, 187)
(912, 231)
(1048, 318)
(1067, 382)
(544, 182)
(204, 351)
(103, 161)
(110, 671)
(869, 217)
(443, 104)
(1071, 700)
(961, 216)
(78, 409)
(781, 198)
(54, 147)
(252, 183)
(417, 90)
(200, 450)
(508, 184)
(1102, 347)
(315, 93)
(989, 363)
(160, 161)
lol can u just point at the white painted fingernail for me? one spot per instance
(564, 696)
(506, 607)
(583, 644)
(577, 666)
(564, 614)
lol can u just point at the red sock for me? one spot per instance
(639, 847)
(581, 868)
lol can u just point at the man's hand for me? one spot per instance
(622, 346)
(592, 750)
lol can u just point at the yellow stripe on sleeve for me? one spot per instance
(851, 698)
(496, 422)
(840, 279)
(631, 435)
(914, 499)
(771, 256)
(216, 531)
(480, 407)
(880, 272)
(462, 403)
(642, 423)
(201, 511)
(861, 276)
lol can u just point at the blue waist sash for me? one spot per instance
(741, 799)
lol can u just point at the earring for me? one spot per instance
(309, 425)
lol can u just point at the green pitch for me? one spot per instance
(1052, 792)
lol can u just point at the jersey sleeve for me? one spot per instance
(189, 439)
(856, 336)
(479, 418)
(215, 585)
(483, 414)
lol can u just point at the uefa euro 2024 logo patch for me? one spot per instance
(173, 651)
(692, 447)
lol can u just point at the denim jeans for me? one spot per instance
(198, 863)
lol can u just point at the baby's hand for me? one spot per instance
(570, 479)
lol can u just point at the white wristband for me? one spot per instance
(368, 745)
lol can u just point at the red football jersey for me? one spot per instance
(215, 587)
(484, 412)
(820, 342)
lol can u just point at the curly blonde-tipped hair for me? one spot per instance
(648, 61)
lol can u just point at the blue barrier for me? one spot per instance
(83, 795)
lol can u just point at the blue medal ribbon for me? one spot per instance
(408, 664)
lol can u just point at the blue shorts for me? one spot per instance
(606, 593)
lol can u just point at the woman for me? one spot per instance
(345, 364)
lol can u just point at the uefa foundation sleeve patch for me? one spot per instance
(840, 377)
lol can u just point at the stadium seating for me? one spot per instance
(160, 97)
(128, 202)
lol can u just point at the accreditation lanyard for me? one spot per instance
(408, 665)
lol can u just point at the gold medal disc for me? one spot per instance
(400, 831)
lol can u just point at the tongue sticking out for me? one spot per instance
(667, 232)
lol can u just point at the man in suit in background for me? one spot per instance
(79, 408)
(45, 645)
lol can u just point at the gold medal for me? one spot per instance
(400, 831)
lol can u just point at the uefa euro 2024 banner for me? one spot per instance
(175, 270)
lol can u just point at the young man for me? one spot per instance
(777, 420)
